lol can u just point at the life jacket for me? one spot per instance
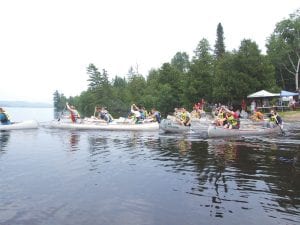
(74, 115)
(221, 115)
(231, 120)
(273, 119)
(5, 118)
(185, 117)
(276, 119)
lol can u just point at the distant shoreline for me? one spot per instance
(23, 104)
(40, 107)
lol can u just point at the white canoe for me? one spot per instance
(214, 131)
(251, 122)
(104, 126)
(171, 126)
(27, 124)
(198, 126)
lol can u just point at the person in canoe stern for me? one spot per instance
(275, 118)
(74, 113)
(4, 117)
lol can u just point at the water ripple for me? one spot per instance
(111, 177)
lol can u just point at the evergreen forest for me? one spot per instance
(212, 73)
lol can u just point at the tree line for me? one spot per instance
(212, 73)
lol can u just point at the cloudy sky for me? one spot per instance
(46, 45)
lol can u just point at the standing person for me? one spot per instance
(74, 113)
(4, 117)
(253, 106)
(202, 104)
(244, 105)
(294, 104)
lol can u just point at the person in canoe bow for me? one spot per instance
(74, 113)
(4, 117)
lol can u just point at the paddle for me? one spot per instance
(62, 112)
(282, 131)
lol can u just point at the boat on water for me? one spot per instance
(248, 122)
(217, 131)
(171, 126)
(27, 124)
(198, 125)
(97, 124)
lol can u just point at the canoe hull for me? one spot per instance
(28, 124)
(102, 126)
(169, 126)
(214, 131)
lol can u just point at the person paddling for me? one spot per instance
(74, 113)
(155, 115)
(4, 117)
(275, 118)
(232, 118)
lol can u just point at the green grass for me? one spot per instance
(289, 113)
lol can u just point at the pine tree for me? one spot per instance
(95, 77)
(219, 46)
(59, 101)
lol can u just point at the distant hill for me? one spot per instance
(25, 104)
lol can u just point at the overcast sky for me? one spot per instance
(46, 45)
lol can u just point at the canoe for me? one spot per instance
(251, 122)
(198, 126)
(214, 131)
(82, 125)
(170, 126)
(27, 124)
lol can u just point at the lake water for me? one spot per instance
(51, 176)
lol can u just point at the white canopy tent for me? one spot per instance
(262, 94)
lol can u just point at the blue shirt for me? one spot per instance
(3, 119)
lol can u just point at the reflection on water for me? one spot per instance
(74, 140)
(4, 137)
(255, 170)
(92, 177)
